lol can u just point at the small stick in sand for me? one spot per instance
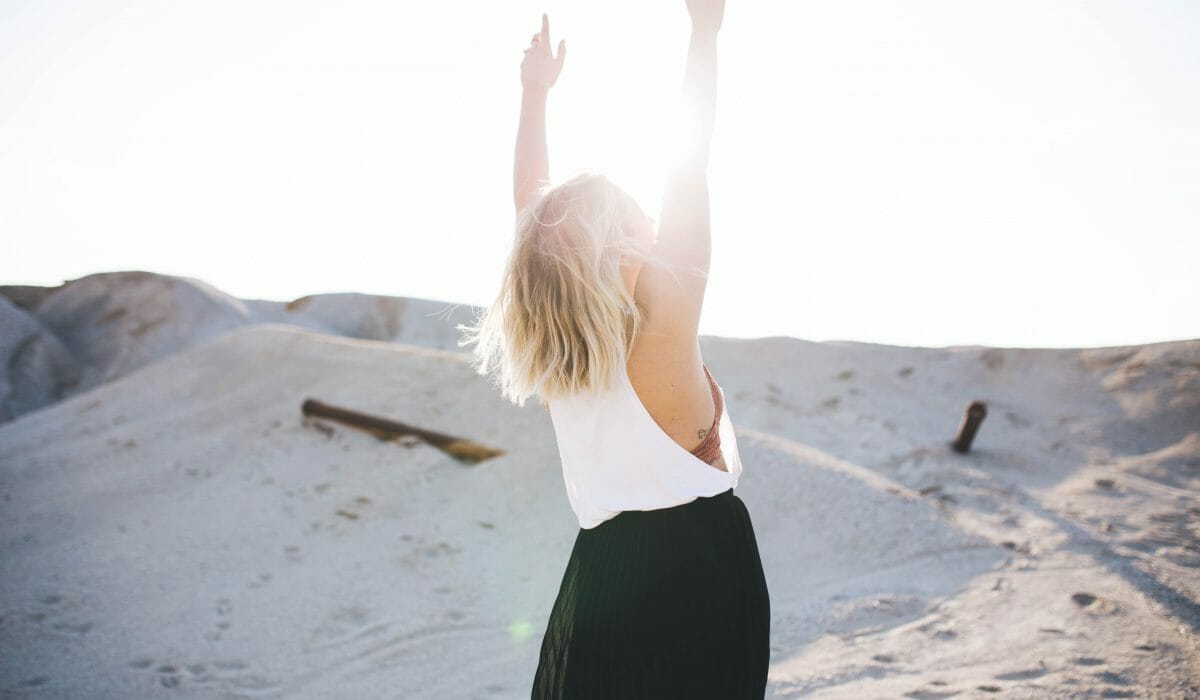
(459, 448)
(976, 412)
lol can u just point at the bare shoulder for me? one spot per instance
(671, 291)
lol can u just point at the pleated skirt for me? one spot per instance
(668, 603)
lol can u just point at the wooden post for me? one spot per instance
(976, 412)
(459, 448)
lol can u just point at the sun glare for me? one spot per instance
(869, 160)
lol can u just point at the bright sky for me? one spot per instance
(1010, 173)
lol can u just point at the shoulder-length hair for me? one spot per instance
(563, 318)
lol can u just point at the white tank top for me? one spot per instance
(616, 458)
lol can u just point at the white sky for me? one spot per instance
(998, 173)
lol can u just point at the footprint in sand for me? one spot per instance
(263, 578)
(1026, 675)
(927, 694)
(1113, 677)
(1097, 605)
(56, 614)
(424, 552)
(224, 610)
(229, 677)
(352, 512)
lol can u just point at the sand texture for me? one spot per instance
(174, 527)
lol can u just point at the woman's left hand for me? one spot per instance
(540, 69)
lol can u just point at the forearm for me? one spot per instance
(531, 163)
(684, 225)
(699, 99)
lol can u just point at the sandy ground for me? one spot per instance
(174, 527)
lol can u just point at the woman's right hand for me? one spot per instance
(706, 14)
(540, 69)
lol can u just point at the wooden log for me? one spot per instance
(386, 429)
(976, 412)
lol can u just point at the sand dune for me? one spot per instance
(175, 527)
(113, 323)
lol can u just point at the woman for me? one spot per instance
(664, 594)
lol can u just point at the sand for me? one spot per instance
(175, 527)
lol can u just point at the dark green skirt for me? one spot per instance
(668, 603)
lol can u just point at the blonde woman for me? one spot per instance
(664, 594)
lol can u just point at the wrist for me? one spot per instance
(701, 32)
(535, 92)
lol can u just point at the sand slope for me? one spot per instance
(112, 323)
(179, 529)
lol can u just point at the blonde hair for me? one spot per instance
(563, 318)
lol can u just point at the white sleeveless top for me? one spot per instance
(616, 458)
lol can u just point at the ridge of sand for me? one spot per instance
(61, 341)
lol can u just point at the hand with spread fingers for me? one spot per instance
(540, 68)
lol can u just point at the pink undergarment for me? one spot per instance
(709, 448)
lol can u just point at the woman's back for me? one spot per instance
(674, 387)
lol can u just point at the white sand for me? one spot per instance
(174, 527)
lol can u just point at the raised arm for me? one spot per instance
(539, 72)
(673, 297)
(699, 87)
